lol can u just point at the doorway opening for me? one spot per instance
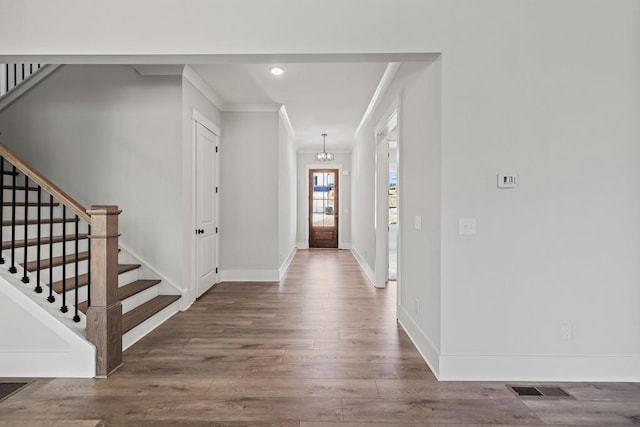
(387, 193)
(323, 208)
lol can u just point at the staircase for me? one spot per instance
(47, 244)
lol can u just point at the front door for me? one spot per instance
(323, 208)
(206, 142)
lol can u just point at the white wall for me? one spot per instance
(343, 161)
(545, 88)
(106, 135)
(286, 195)
(415, 94)
(42, 346)
(192, 98)
(249, 236)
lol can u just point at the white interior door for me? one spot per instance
(206, 221)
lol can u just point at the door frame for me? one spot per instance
(381, 270)
(196, 118)
(310, 166)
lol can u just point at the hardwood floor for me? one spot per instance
(320, 349)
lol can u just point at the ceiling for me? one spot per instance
(319, 97)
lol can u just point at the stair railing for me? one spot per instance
(104, 310)
(11, 75)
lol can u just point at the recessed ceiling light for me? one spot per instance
(276, 71)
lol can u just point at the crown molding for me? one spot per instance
(254, 108)
(194, 78)
(383, 85)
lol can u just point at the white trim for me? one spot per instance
(158, 69)
(539, 367)
(383, 85)
(27, 84)
(302, 245)
(310, 166)
(429, 352)
(285, 117)
(250, 275)
(363, 265)
(287, 262)
(144, 328)
(194, 78)
(344, 245)
(204, 121)
(254, 108)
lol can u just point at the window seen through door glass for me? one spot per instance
(323, 199)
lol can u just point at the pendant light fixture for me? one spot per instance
(324, 156)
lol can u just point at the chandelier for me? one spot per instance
(324, 156)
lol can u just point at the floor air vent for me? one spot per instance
(547, 392)
(7, 389)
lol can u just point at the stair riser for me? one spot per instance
(32, 230)
(57, 272)
(32, 251)
(70, 294)
(139, 298)
(128, 277)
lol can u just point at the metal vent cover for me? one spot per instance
(7, 389)
(539, 391)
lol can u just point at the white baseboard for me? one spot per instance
(287, 262)
(555, 368)
(425, 347)
(250, 275)
(302, 245)
(365, 267)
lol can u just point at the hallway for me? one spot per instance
(319, 349)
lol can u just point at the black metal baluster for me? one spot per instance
(76, 317)
(64, 307)
(25, 278)
(38, 288)
(13, 268)
(51, 298)
(22, 74)
(89, 267)
(2, 205)
(15, 75)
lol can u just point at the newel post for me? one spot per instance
(104, 316)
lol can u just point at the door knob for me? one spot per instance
(200, 231)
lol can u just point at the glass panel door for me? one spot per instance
(323, 208)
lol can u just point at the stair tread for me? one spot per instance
(19, 187)
(43, 241)
(141, 313)
(126, 291)
(56, 261)
(84, 278)
(7, 223)
(136, 287)
(42, 204)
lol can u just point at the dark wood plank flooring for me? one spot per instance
(322, 348)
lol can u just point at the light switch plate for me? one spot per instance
(417, 222)
(467, 226)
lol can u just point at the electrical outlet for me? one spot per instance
(416, 306)
(566, 331)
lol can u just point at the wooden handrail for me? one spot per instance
(46, 185)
